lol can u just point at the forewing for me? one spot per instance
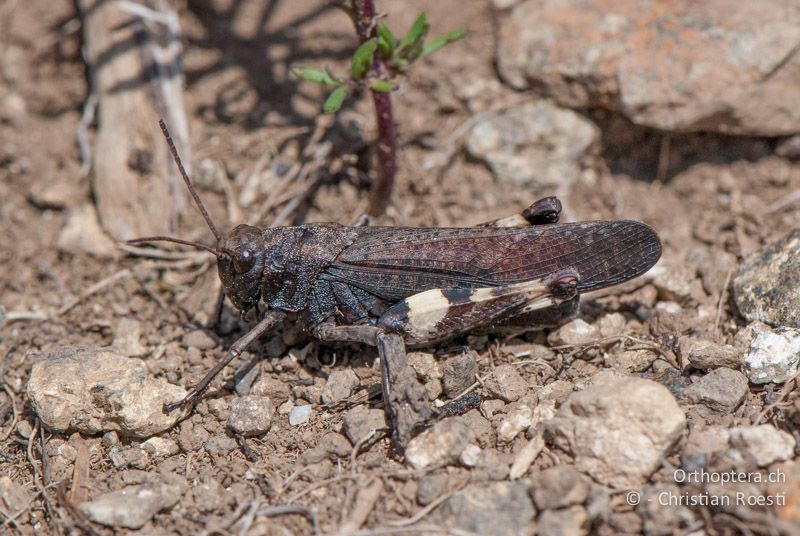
(396, 262)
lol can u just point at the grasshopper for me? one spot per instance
(398, 287)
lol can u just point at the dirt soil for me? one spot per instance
(711, 198)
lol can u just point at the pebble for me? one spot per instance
(763, 444)
(425, 365)
(250, 415)
(619, 429)
(526, 456)
(767, 286)
(160, 447)
(220, 444)
(722, 390)
(574, 332)
(572, 520)
(208, 495)
(360, 421)
(516, 420)
(269, 385)
(133, 506)
(663, 517)
(14, 498)
(83, 234)
(127, 338)
(705, 440)
(331, 444)
(459, 373)
(704, 354)
(675, 282)
(559, 486)
(506, 383)
(441, 444)
(635, 360)
(300, 414)
(96, 390)
(432, 486)
(611, 325)
(773, 355)
(470, 456)
(199, 339)
(340, 385)
(496, 508)
(537, 144)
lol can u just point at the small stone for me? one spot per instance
(674, 283)
(517, 420)
(243, 379)
(133, 506)
(250, 415)
(559, 487)
(703, 354)
(300, 415)
(14, 498)
(219, 444)
(340, 386)
(773, 356)
(767, 287)
(425, 365)
(208, 495)
(618, 430)
(573, 333)
(127, 338)
(286, 408)
(506, 383)
(496, 508)
(83, 234)
(526, 456)
(764, 444)
(199, 339)
(470, 456)
(706, 440)
(13, 108)
(431, 487)
(270, 386)
(439, 445)
(459, 373)
(160, 447)
(722, 390)
(95, 390)
(192, 436)
(331, 444)
(664, 517)
(635, 360)
(360, 421)
(536, 144)
(611, 325)
(572, 520)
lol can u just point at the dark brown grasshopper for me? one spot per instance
(393, 287)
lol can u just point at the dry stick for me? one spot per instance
(425, 511)
(722, 295)
(366, 499)
(282, 510)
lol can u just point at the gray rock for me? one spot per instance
(329, 445)
(506, 383)
(192, 436)
(516, 420)
(618, 430)
(250, 415)
(95, 390)
(160, 447)
(497, 508)
(635, 360)
(703, 354)
(208, 495)
(340, 386)
(360, 421)
(559, 487)
(572, 520)
(611, 57)
(425, 365)
(703, 441)
(763, 444)
(459, 373)
(722, 390)
(300, 414)
(219, 444)
(272, 387)
(439, 445)
(127, 338)
(612, 325)
(432, 486)
(133, 506)
(767, 286)
(659, 516)
(574, 332)
(537, 144)
(199, 339)
(773, 356)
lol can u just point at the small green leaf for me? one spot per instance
(387, 42)
(442, 40)
(411, 45)
(382, 86)
(318, 76)
(335, 100)
(362, 58)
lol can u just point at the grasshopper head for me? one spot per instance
(242, 254)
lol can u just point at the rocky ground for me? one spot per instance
(669, 406)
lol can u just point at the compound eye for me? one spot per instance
(244, 260)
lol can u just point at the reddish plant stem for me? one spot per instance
(366, 23)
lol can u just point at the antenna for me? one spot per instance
(189, 185)
(171, 239)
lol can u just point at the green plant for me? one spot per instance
(375, 65)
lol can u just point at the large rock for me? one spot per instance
(537, 144)
(767, 286)
(675, 65)
(95, 390)
(618, 430)
(133, 506)
(498, 508)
